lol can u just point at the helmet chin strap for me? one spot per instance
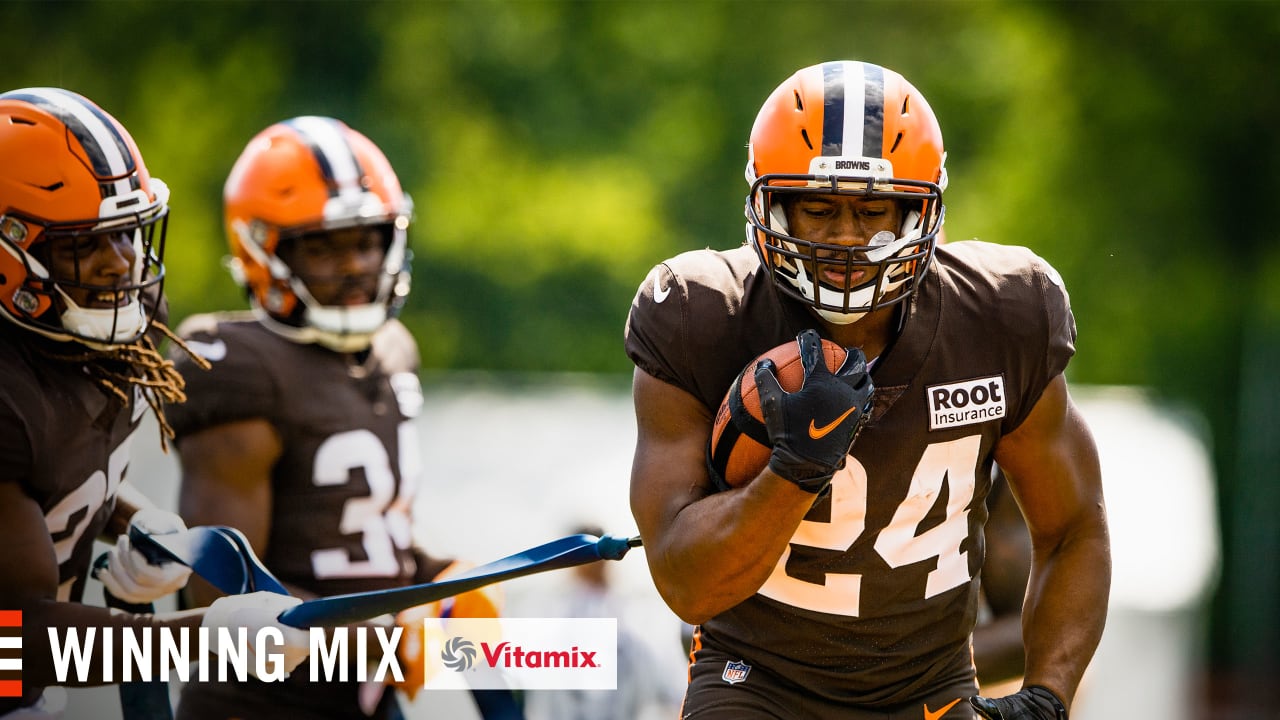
(836, 318)
(108, 325)
(346, 329)
(343, 342)
(342, 328)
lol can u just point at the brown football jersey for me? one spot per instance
(66, 442)
(342, 491)
(343, 488)
(874, 600)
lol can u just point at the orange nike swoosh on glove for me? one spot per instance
(929, 715)
(817, 433)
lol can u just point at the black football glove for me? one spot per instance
(1029, 703)
(812, 429)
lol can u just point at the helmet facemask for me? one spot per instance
(118, 314)
(290, 306)
(892, 261)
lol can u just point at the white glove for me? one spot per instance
(257, 612)
(130, 576)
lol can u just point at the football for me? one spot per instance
(739, 447)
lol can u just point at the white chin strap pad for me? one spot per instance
(357, 319)
(128, 321)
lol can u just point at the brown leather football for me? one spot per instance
(739, 447)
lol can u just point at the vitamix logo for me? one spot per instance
(506, 655)
(520, 653)
(459, 654)
(966, 403)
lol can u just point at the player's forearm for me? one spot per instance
(719, 550)
(129, 500)
(1066, 610)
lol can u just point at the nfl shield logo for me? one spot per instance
(735, 672)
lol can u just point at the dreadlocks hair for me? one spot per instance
(140, 364)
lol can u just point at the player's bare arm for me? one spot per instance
(707, 550)
(997, 644)
(226, 480)
(1054, 472)
(129, 500)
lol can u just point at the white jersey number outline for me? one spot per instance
(81, 505)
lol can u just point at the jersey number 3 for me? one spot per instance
(381, 518)
(951, 462)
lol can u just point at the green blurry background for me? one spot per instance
(557, 150)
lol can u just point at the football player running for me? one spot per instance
(82, 228)
(842, 581)
(302, 434)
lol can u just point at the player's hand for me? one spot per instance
(1029, 703)
(129, 576)
(812, 429)
(254, 612)
(485, 602)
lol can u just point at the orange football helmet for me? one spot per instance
(69, 170)
(306, 176)
(846, 128)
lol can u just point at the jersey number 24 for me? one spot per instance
(950, 462)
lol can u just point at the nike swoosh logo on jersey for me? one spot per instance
(660, 293)
(928, 715)
(817, 433)
(211, 351)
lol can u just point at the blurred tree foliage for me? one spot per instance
(557, 150)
